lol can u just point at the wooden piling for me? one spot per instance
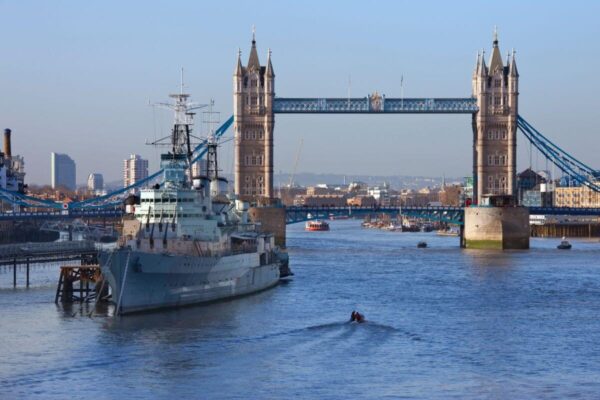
(68, 292)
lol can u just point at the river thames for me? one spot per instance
(442, 322)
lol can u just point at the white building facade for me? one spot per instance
(135, 168)
(95, 182)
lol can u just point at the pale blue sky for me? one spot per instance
(76, 76)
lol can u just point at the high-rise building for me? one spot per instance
(95, 182)
(134, 169)
(63, 171)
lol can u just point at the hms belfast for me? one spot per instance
(188, 241)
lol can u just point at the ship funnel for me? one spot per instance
(7, 149)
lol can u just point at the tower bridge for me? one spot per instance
(493, 106)
(493, 220)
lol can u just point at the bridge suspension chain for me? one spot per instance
(571, 166)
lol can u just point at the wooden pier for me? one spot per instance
(573, 229)
(80, 283)
(29, 254)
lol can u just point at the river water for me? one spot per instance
(442, 322)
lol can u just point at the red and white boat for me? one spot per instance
(316, 225)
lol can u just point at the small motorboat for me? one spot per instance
(422, 245)
(564, 244)
(357, 317)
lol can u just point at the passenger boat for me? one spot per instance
(448, 232)
(316, 225)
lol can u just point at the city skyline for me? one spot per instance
(90, 101)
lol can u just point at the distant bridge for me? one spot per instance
(452, 215)
(64, 214)
(295, 214)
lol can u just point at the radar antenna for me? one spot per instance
(182, 127)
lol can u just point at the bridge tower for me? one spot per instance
(495, 127)
(498, 222)
(253, 93)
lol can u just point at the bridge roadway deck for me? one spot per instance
(22, 253)
(299, 213)
(64, 214)
(369, 105)
(295, 214)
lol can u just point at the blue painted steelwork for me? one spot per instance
(24, 200)
(454, 215)
(65, 214)
(104, 201)
(295, 214)
(367, 105)
(587, 211)
(201, 149)
(574, 168)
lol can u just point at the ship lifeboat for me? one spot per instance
(316, 226)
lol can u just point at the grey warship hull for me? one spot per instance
(142, 281)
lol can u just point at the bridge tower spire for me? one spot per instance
(495, 128)
(253, 96)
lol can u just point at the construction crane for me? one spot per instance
(296, 163)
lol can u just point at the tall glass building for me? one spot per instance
(62, 171)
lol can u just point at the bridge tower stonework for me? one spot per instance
(495, 126)
(496, 221)
(253, 96)
(253, 93)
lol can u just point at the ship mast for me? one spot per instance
(211, 118)
(182, 107)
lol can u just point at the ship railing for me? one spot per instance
(244, 249)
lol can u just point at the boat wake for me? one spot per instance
(342, 329)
